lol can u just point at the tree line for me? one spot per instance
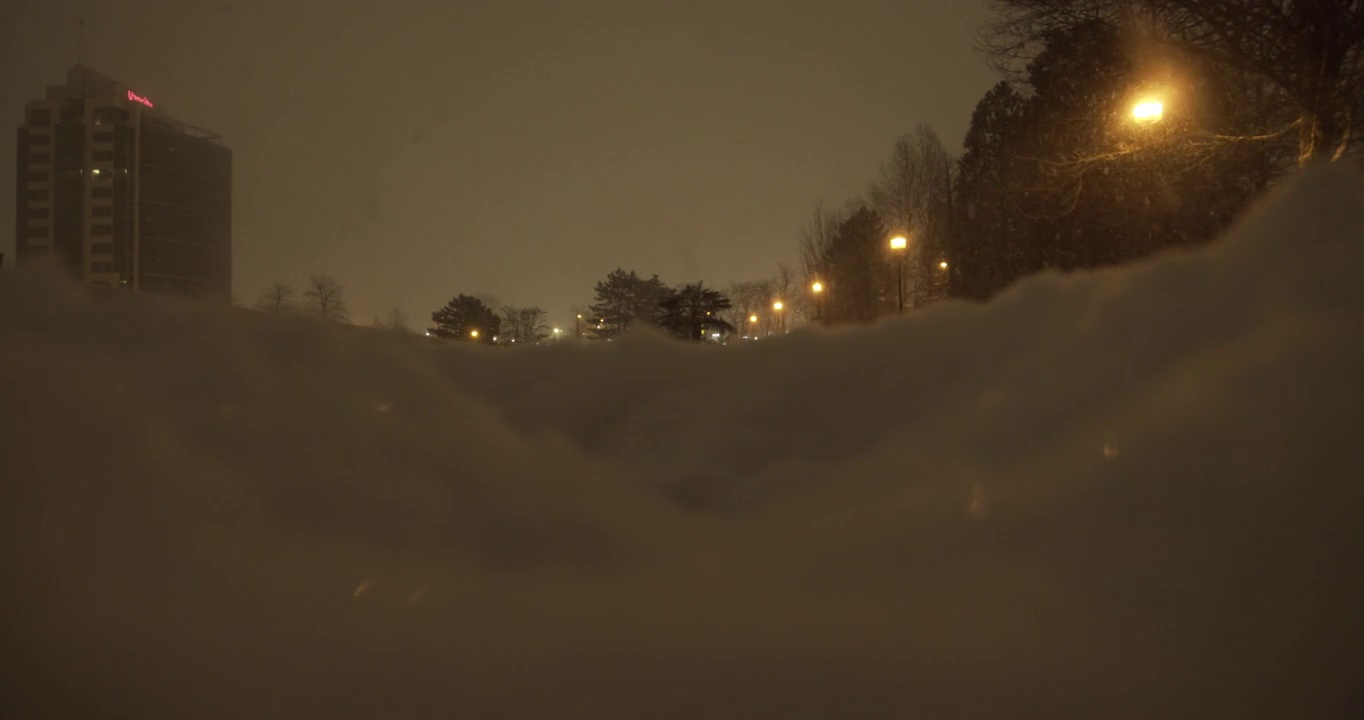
(1058, 173)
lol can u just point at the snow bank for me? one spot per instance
(1133, 493)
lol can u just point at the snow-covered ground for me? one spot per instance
(1134, 493)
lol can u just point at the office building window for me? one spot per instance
(39, 195)
(35, 232)
(37, 213)
(40, 116)
(104, 137)
(38, 175)
(101, 229)
(103, 156)
(39, 139)
(101, 192)
(39, 157)
(104, 211)
(102, 249)
(101, 267)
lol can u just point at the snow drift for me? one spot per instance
(1132, 493)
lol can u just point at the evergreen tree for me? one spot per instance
(694, 312)
(463, 316)
(623, 299)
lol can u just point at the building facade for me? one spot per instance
(121, 193)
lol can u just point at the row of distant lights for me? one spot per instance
(897, 243)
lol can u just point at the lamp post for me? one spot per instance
(898, 245)
(577, 328)
(753, 323)
(777, 307)
(473, 335)
(817, 288)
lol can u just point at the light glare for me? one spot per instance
(1148, 111)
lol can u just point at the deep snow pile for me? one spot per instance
(1133, 493)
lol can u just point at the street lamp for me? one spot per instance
(556, 334)
(777, 307)
(473, 334)
(898, 245)
(753, 323)
(577, 328)
(818, 289)
(1148, 112)
(943, 265)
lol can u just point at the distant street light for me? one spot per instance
(898, 244)
(1148, 112)
(818, 289)
(473, 334)
(777, 307)
(577, 328)
(943, 265)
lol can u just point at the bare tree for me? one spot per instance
(326, 298)
(817, 238)
(395, 320)
(524, 324)
(278, 299)
(914, 197)
(748, 300)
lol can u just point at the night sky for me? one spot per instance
(416, 150)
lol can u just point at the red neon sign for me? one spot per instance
(134, 97)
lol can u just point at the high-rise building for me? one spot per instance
(123, 194)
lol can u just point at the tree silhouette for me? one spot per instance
(326, 297)
(623, 299)
(278, 299)
(464, 316)
(693, 312)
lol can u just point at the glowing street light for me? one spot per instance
(943, 265)
(898, 244)
(817, 287)
(473, 334)
(1148, 112)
